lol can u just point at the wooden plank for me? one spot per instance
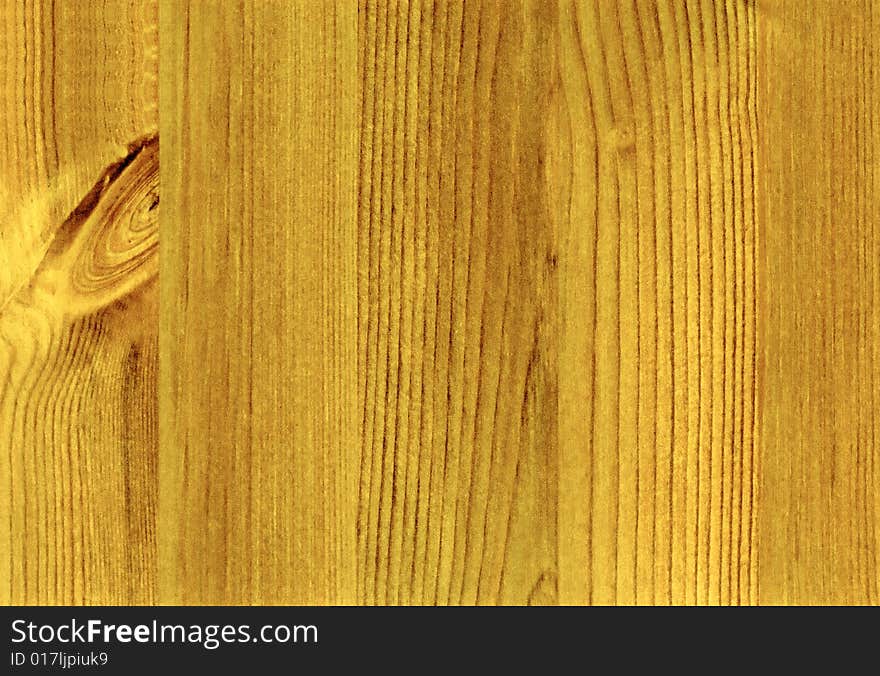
(456, 305)
(819, 112)
(655, 177)
(78, 318)
(259, 446)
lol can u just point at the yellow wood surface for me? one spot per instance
(654, 183)
(819, 519)
(259, 454)
(78, 302)
(490, 302)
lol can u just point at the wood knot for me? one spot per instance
(109, 245)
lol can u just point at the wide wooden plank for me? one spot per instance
(78, 313)
(819, 115)
(258, 385)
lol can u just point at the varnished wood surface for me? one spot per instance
(457, 303)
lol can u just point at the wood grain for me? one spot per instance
(820, 203)
(456, 305)
(78, 301)
(459, 302)
(259, 448)
(655, 190)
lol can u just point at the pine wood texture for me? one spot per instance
(458, 302)
(78, 302)
(820, 203)
(456, 305)
(655, 195)
(259, 447)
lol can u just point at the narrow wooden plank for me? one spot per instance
(457, 263)
(656, 137)
(819, 114)
(78, 314)
(259, 446)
